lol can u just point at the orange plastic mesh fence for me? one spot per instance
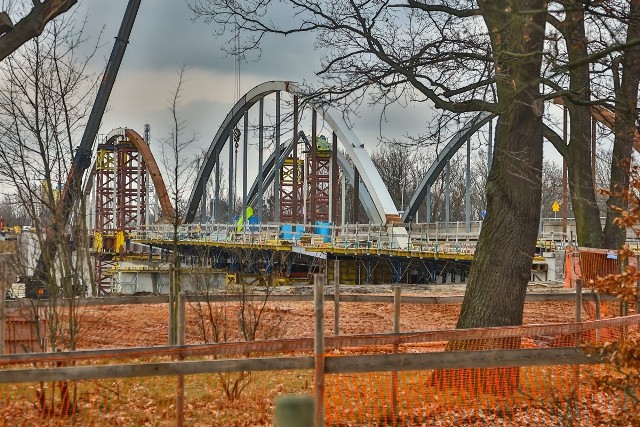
(526, 336)
(489, 396)
(589, 265)
(538, 396)
(146, 325)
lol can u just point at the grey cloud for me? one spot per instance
(165, 35)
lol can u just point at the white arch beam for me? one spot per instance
(380, 197)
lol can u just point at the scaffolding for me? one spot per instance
(318, 182)
(291, 186)
(121, 203)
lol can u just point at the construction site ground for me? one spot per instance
(149, 401)
(146, 324)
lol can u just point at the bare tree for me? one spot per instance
(392, 161)
(569, 20)
(179, 171)
(593, 59)
(43, 102)
(626, 79)
(12, 210)
(445, 54)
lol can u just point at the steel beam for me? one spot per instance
(333, 118)
(441, 160)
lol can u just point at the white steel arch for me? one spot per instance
(380, 199)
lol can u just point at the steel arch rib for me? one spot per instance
(441, 160)
(152, 168)
(154, 172)
(371, 179)
(343, 163)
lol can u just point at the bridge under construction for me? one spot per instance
(316, 196)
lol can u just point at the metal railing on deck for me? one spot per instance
(420, 238)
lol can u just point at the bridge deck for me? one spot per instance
(350, 240)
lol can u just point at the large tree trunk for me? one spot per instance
(30, 26)
(580, 178)
(502, 264)
(625, 128)
(578, 157)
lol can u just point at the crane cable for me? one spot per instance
(236, 131)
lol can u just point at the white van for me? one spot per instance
(17, 290)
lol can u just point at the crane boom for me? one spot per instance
(82, 158)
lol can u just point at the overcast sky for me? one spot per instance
(165, 36)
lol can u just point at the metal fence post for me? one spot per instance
(318, 301)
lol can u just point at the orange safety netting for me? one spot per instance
(589, 264)
(542, 395)
(146, 325)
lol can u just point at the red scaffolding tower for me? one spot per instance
(121, 203)
(318, 183)
(291, 180)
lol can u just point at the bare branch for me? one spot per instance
(32, 24)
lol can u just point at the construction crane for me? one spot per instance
(82, 158)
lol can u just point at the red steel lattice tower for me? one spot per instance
(318, 182)
(121, 189)
(291, 179)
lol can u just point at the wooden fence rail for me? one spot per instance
(332, 364)
(380, 299)
(322, 362)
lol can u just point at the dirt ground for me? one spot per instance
(423, 290)
(146, 325)
(149, 401)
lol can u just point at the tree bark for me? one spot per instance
(580, 178)
(624, 130)
(580, 175)
(32, 24)
(502, 264)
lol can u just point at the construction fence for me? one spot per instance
(518, 376)
(142, 321)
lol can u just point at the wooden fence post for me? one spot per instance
(623, 262)
(638, 286)
(578, 300)
(3, 297)
(180, 335)
(170, 331)
(318, 301)
(397, 292)
(181, 318)
(336, 297)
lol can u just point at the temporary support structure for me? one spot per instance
(121, 202)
